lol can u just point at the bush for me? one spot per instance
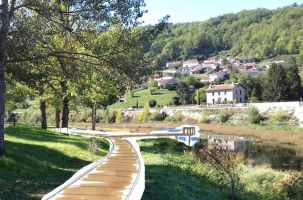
(176, 101)
(119, 117)
(144, 115)
(203, 117)
(152, 90)
(152, 103)
(254, 116)
(279, 117)
(177, 117)
(110, 116)
(171, 87)
(224, 116)
(157, 116)
(93, 145)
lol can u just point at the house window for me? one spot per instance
(225, 92)
(240, 92)
(236, 92)
(240, 99)
(219, 93)
(225, 99)
(213, 93)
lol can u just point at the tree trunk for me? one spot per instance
(94, 112)
(64, 112)
(43, 114)
(2, 102)
(57, 118)
(4, 20)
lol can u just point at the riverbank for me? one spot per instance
(172, 169)
(275, 136)
(37, 161)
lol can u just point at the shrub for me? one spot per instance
(176, 101)
(110, 116)
(203, 117)
(152, 103)
(152, 90)
(119, 117)
(171, 87)
(93, 145)
(144, 115)
(224, 116)
(157, 116)
(279, 117)
(177, 117)
(254, 116)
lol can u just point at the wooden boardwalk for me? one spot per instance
(113, 179)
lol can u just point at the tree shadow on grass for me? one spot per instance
(40, 135)
(28, 171)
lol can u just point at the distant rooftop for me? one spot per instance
(222, 87)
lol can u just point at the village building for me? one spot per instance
(225, 93)
(170, 72)
(217, 76)
(210, 66)
(198, 69)
(173, 64)
(166, 80)
(252, 73)
(184, 70)
(213, 60)
(190, 62)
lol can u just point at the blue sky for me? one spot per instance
(199, 10)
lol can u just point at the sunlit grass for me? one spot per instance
(162, 96)
(37, 161)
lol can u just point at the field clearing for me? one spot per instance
(162, 96)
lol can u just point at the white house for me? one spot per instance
(184, 70)
(173, 64)
(196, 69)
(190, 63)
(166, 80)
(211, 66)
(220, 75)
(225, 93)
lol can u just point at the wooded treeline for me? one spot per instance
(259, 33)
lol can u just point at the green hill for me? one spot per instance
(259, 33)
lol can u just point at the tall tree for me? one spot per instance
(276, 86)
(293, 80)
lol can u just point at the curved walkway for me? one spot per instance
(121, 174)
(113, 179)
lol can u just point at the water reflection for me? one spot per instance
(256, 152)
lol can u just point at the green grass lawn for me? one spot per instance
(162, 96)
(37, 161)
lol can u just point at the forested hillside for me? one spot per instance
(257, 33)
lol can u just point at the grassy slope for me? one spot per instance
(37, 161)
(162, 96)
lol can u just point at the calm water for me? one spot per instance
(258, 153)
